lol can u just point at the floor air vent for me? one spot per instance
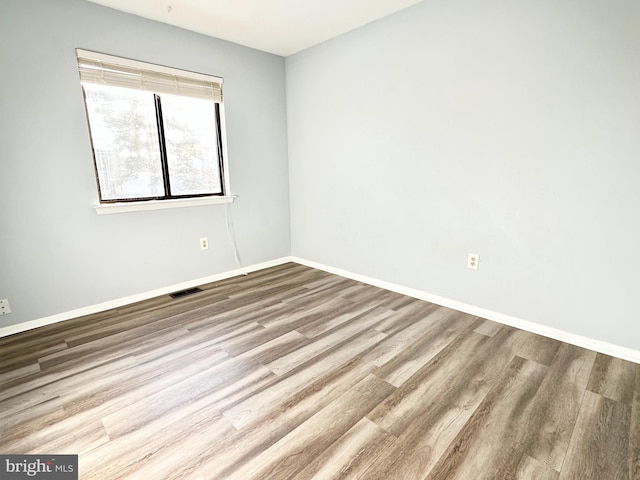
(182, 293)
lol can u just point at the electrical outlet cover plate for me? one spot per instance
(473, 261)
(4, 307)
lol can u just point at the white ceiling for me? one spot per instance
(282, 27)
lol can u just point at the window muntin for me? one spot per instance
(155, 135)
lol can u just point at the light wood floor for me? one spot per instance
(293, 373)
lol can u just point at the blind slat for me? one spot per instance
(106, 70)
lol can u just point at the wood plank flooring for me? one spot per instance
(294, 373)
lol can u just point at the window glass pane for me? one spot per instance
(125, 142)
(192, 145)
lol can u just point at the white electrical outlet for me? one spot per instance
(204, 243)
(4, 307)
(473, 261)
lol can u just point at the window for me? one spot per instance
(156, 132)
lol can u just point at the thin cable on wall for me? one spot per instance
(232, 236)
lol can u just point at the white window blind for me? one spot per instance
(122, 72)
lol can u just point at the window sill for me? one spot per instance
(124, 207)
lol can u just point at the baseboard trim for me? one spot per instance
(120, 302)
(618, 351)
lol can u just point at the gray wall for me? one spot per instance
(56, 253)
(510, 129)
(504, 128)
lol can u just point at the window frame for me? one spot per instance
(167, 200)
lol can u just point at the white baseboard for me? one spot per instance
(573, 339)
(120, 302)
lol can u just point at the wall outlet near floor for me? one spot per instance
(4, 307)
(204, 243)
(473, 260)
